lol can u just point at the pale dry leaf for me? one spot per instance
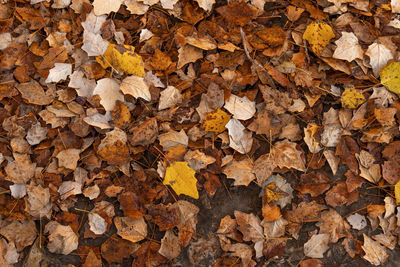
(152, 79)
(62, 239)
(249, 226)
(379, 55)
(145, 35)
(68, 158)
(36, 134)
(21, 233)
(374, 252)
(59, 72)
(97, 223)
(316, 246)
(334, 225)
(287, 155)
(275, 228)
(188, 54)
(18, 190)
(84, 87)
(99, 120)
(136, 7)
(263, 167)
(387, 240)
(108, 90)
(206, 4)
(348, 47)
(172, 139)
(170, 247)
(136, 86)
(61, 3)
(39, 204)
(92, 192)
(130, 229)
(240, 107)
(395, 4)
(357, 221)
(169, 97)
(204, 43)
(382, 97)
(94, 44)
(240, 139)
(240, 171)
(197, 160)
(333, 161)
(101, 7)
(20, 170)
(69, 188)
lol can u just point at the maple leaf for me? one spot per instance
(390, 76)
(318, 34)
(216, 120)
(181, 178)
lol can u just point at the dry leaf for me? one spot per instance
(97, 223)
(169, 97)
(62, 239)
(136, 86)
(240, 107)
(390, 76)
(379, 55)
(68, 158)
(287, 155)
(215, 121)
(181, 178)
(316, 246)
(101, 7)
(108, 90)
(133, 230)
(240, 171)
(170, 247)
(239, 138)
(59, 72)
(374, 253)
(348, 47)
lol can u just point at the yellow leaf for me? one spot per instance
(122, 58)
(318, 34)
(271, 194)
(352, 98)
(216, 120)
(397, 193)
(181, 178)
(390, 76)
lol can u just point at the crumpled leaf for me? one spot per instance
(69, 188)
(62, 239)
(108, 90)
(172, 139)
(181, 178)
(198, 160)
(216, 120)
(122, 58)
(68, 158)
(352, 98)
(390, 76)
(318, 34)
(348, 47)
(20, 170)
(240, 107)
(33, 93)
(240, 171)
(170, 247)
(249, 225)
(136, 86)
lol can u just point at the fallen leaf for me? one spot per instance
(206, 4)
(240, 107)
(249, 225)
(239, 138)
(181, 178)
(188, 54)
(357, 221)
(318, 34)
(374, 253)
(101, 7)
(240, 171)
(334, 225)
(136, 86)
(316, 246)
(62, 239)
(69, 188)
(390, 76)
(59, 72)
(108, 90)
(172, 139)
(169, 97)
(116, 249)
(198, 160)
(122, 58)
(68, 158)
(33, 93)
(170, 247)
(287, 155)
(215, 121)
(352, 98)
(348, 47)
(97, 223)
(133, 230)
(379, 56)
(397, 192)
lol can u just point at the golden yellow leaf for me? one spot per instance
(390, 76)
(216, 120)
(122, 58)
(181, 178)
(397, 193)
(271, 194)
(352, 98)
(318, 34)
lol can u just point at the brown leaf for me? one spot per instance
(391, 171)
(333, 224)
(249, 225)
(146, 133)
(33, 93)
(346, 150)
(170, 247)
(288, 154)
(339, 196)
(115, 249)
(237, 13)
(166, 217)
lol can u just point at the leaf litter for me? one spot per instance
(153, 110)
